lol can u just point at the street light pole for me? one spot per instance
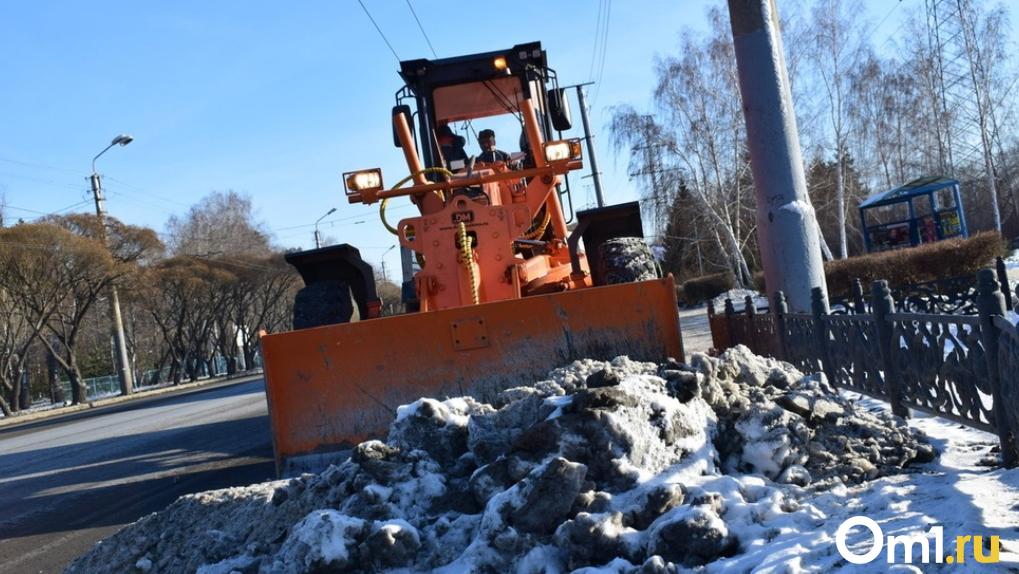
(318, 238)
(124, 372)
(384, 253)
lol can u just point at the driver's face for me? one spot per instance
(487, 144)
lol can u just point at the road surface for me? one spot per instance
(72, 480)
(69, 481)
(696, 330)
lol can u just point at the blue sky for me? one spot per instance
(277, 100)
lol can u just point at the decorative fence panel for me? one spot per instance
(856, 355)
(800, 343)
(942, 367)
(962, 367)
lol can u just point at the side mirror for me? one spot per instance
(559, 109)
(403, 109)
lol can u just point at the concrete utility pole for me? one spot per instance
(787, 229)
(124, 372)
(589, 138)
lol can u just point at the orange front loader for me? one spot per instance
(504, 293)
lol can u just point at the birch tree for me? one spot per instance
(838, 47)
(697, 140)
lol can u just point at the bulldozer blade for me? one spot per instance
(334, 386)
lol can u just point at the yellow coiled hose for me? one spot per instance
(467, 258)
(382, 206)
(541, 228)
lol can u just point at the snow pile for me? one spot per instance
(738, 297)
(1012, 261)
(614, 466)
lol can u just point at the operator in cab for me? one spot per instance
(452, 148)
(489, 153)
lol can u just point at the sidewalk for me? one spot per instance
(143, 394)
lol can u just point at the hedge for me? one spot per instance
(706, 287)
(948, 258)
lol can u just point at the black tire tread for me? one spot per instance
(626, 260)
(324, 303)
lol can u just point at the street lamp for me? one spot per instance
(384, 253)
(124, 372)
(318, 238)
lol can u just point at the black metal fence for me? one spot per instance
(962, 367)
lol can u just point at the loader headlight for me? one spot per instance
(499, 63)
(363, 180)
(562, 150)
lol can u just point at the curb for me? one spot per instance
(105, 402)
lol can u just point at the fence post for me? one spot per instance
(819, 307)
(779, 309)
(716, 336)
(991, 303)
(881, 305)
(749, 309)
(859, 307)
(999, 263)
(730, 311)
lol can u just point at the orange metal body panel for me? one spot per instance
(334, 386)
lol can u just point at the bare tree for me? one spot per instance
(266, 289)
(16, 335)
(984, 40)
(838, 47)
(221, 224)
(40, 263)
(697, 141)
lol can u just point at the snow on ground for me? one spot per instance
(738, 297)
(735, 464)
(1012, 261)
(37, 407)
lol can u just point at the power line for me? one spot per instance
(422, 28)
(604, 51)
(25, 209)
(37, 165)
(63, 209)
(384, 39)
(147, 194)
(885, 19)
(596, 35)
(43, 181)
(339, 219)
(42, 214)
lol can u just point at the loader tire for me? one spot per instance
(626, 260)
(324, 303)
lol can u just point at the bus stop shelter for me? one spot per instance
(922, 211)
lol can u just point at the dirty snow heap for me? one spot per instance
(615, 466)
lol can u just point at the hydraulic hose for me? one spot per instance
(540, 230)
(382, 206)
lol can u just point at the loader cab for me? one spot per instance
(469, 93)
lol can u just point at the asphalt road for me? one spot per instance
(69, 481)
(696, 330)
